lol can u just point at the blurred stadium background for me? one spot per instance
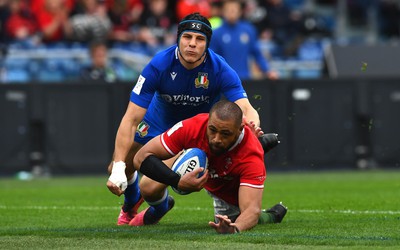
(334, 105)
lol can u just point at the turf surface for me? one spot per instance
(327, 210)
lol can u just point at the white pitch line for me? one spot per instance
(97, 208)
(347, 211)
(89, 208)
(56, 208)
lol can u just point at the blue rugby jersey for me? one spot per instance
(238, 44)
(172, 93)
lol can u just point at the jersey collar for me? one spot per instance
(238, 141)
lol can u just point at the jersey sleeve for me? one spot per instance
(185, 134)
(145, 87)
(254, 174)
(173, 140)
(231, 84)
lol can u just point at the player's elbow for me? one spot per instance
(256, 211)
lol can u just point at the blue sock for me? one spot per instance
(132, 193)
(159, 208)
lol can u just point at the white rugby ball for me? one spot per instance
(188, 161)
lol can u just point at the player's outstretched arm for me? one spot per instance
(117, 182)
(250, 200)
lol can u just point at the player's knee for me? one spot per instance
(151, 190)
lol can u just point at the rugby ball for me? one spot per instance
(188, 161)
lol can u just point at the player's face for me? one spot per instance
(192, 46)
(221, 134)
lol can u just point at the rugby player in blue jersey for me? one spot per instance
(179, 82)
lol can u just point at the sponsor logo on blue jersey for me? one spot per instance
(186, 100)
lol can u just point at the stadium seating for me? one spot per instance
(15, 70)
(310, 51)
(16, 76)
(294, 4)
(63, 61)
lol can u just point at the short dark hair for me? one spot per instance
(197, 23)
(226, 110)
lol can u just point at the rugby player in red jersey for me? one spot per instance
(234, 178)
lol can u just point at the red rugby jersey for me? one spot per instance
(242, 165)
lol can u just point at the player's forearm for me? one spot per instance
(123, 142)
(248, 219)
(252, 115)
(155, 169)
(248, 111)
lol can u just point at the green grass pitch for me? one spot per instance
(327, 210)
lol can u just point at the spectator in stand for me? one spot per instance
(21, 24)
(89, 21)
(236, 40)
(215, 13)
(280, 25)
(52, 17)
(98, 71)
(157, 26)
(37, 5)
(185, 7)
(123, 14)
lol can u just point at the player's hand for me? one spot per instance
(224, 226)
(191, 183)
(254, 128)
(117, 182)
